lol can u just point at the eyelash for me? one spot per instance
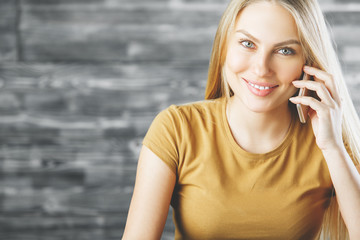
(292, 51)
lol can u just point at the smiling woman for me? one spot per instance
(240, 165)
(263, 57)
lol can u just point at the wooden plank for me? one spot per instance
(122, 16)
(7, 3)
(59, 2)
(85, 2)
(117, 45)
(82, 233)
(347, 1)
(77, 91)
(352, 78)
(46, 101)
(10, 103)
(351, 54)
(8, 51)
(346, 35)
(8, 16)
(114, 152)
(107, 34)
(36, 221)
(72, 202)
(88, 77)
(61, 178)
(25, 135)
(351, 18)
(206, 1)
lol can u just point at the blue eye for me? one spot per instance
(286, 51)
(247, 44)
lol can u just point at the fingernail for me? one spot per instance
(306, 67)
(295, 82)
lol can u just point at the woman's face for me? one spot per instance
(264, 56)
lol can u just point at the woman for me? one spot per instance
(240, 165)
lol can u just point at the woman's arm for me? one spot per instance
(346, 181)
(150, 202)
(326, 120)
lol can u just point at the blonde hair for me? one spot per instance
(319, 51)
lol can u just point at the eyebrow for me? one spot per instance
(291, 41)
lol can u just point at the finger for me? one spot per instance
(311, 113)
(320, 89)
(326, 78)
(316, 105)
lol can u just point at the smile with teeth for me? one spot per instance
(259, 87)
(261, 90)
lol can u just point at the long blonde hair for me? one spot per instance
(319, 51)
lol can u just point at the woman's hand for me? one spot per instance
(326, 116)
(325, 113)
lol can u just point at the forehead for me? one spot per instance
(267, 20)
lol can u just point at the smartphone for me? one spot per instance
(302, 109)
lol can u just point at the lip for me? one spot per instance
(260, 92)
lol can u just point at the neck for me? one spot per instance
(258, 132)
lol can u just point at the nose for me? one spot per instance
(261, 65)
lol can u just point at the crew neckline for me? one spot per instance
(256, 156)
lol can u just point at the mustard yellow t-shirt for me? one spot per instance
(224, 192)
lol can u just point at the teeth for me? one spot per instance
(258, 87)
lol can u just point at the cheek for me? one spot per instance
(291, 73)
(236, 61)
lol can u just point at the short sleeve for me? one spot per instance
(163, 136)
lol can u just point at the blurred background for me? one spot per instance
(80, 83)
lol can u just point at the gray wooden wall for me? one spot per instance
(80, 82)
